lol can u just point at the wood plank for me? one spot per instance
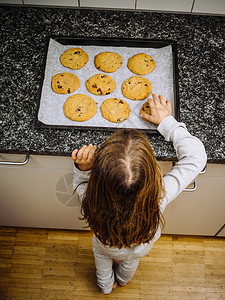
(59, 264)
(7, 243)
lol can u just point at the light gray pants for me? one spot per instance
(128, 262)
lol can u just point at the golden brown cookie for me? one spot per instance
(74, 58)
(115, 110)
(108, 61)
(136, 88)
(145, 109)
(100, 84)
(141, 64)
(65, 83)
(80, 108)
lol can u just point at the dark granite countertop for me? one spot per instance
(24, 32)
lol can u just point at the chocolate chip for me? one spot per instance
(121, 101)
(118, 120)
(103, 76)
(99, 91)
(68, 91)
(94, 86)
(59, 86)
(76, 52)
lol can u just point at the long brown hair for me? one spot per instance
(121, 204)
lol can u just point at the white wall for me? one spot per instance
(211, 7)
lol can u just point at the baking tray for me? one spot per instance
(118, 43)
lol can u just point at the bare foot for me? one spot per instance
(114, 285)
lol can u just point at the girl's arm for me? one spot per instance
(190, 151)
(83, 161)
(191, 158)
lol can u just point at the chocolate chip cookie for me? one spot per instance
(100, 84)
(65, 83)
(145, 109)
(141, 64)
(136, 88)
(115, 110)
(80, 108)
(108, 61)
(74, 58)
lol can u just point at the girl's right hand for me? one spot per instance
(160, 109)
(84, 157)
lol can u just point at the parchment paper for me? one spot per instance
(51, 104)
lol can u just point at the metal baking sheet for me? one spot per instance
(164, 80)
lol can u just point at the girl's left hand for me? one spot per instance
(160, 109)
(84, 157)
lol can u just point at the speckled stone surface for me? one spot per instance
(24, 32)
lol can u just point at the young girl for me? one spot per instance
(125, 192)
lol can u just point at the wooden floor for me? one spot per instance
(56, 264)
